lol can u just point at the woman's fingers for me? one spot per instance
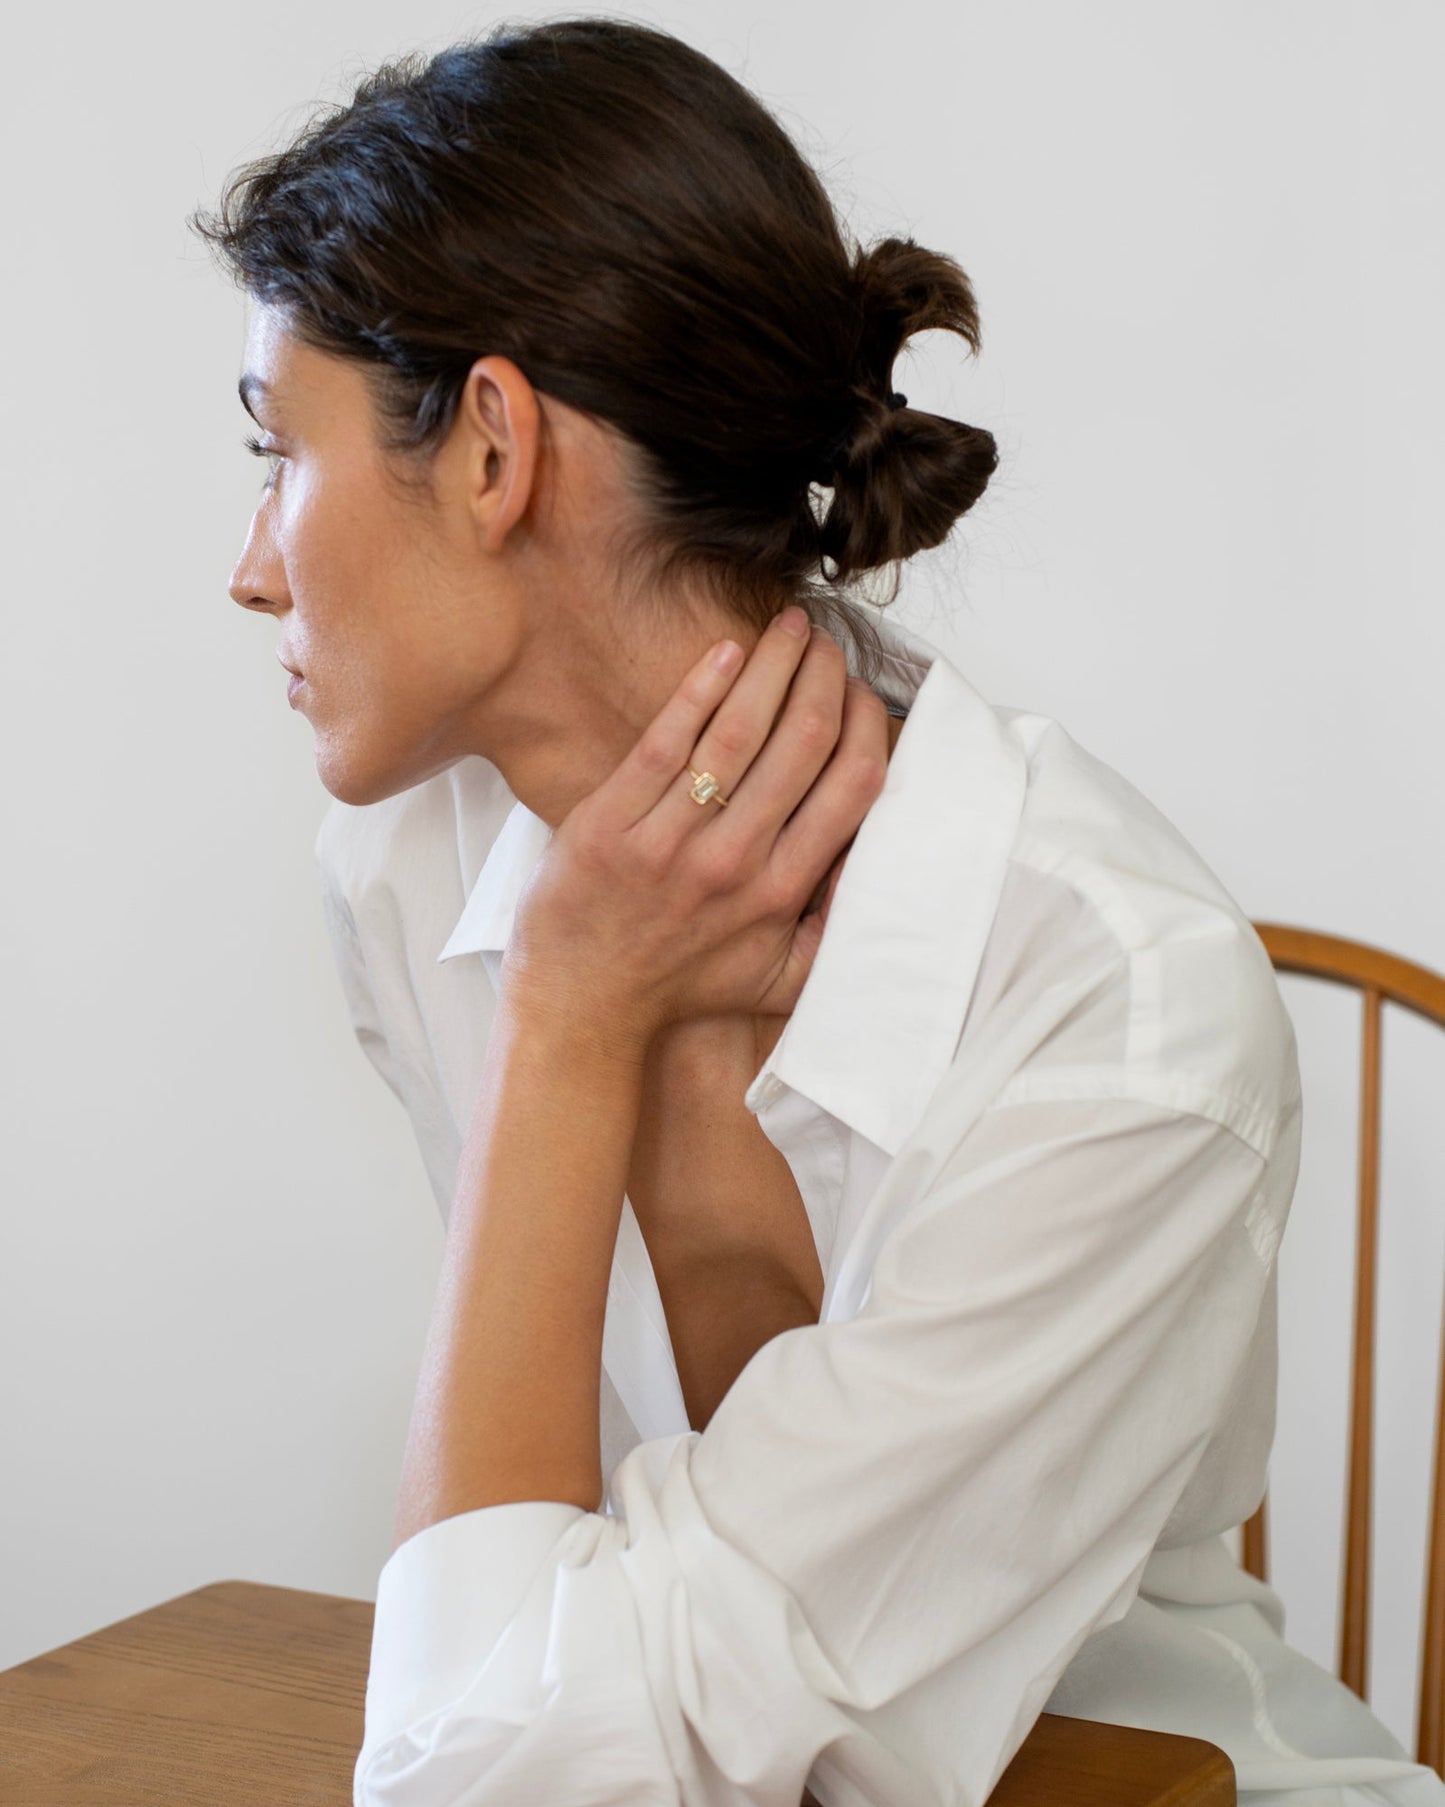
(715, 721)
(755, 733)
(799, 751)
(839, 798)
(651, 769)
(779, 748)
(780, 773)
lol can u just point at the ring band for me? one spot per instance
(703, 787)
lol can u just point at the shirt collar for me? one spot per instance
(878, 1019)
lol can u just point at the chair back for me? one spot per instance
(1380, 978)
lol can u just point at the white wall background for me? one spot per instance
(1207, 245)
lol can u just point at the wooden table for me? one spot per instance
(240, 1695)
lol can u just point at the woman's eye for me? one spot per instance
(254, 446)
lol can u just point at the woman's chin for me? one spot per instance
(358, 780)
(352, 781)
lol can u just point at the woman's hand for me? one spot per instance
(648, 908)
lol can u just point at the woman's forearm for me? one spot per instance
(507, 1400)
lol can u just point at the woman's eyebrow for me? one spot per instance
(249, 385)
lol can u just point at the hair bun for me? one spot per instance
(901, 477)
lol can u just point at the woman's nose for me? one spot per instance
(257, 581)
(244, 592)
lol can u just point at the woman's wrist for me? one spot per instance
(569, 1022)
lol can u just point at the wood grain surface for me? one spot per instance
(243, 1695)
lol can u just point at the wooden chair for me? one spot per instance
(1379, 977)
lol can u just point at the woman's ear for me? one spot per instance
(502, 418)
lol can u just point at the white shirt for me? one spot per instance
(1041, 1100)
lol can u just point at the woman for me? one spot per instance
(867, 1134)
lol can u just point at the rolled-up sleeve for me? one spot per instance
(869, 1571)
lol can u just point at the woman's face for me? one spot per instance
(387, 606)
(481, 615)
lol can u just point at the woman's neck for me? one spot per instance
(579, 669)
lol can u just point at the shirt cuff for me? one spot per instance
(444, 1598)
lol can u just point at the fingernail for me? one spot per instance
(726, 655)
(794, 620)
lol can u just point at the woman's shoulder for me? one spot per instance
(1157, 974)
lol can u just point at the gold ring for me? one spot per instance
(703, 787)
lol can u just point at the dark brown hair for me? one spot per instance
(613, 211)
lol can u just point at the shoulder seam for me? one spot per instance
(1249, 1119)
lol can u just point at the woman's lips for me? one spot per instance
(293, 687)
